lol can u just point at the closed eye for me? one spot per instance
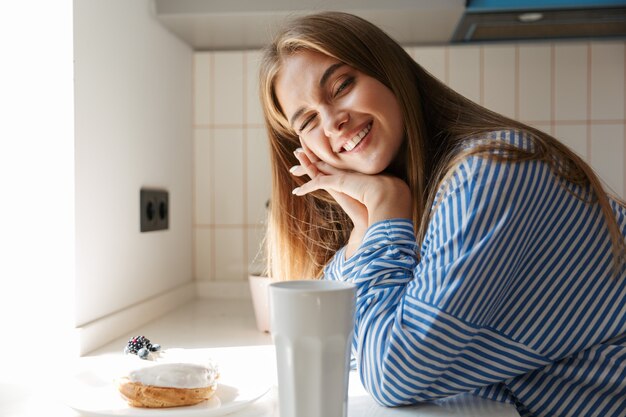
(307, 122)
(344, 85)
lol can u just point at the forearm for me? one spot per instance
(381, 269)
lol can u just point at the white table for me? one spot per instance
(360, 404)
(226, 330)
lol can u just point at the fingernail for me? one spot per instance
(297, 151)
(294, 168)
(295, 190)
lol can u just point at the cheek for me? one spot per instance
(394, 114)
(381, 101)
(395, 120)
(316, 145)
(365, 98)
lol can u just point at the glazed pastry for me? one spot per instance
(168, 385)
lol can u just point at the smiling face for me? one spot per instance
(346, 118)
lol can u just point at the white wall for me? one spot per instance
(133, 100)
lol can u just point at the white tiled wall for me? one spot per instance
(232, 183)
(573, 90)
(499, 69)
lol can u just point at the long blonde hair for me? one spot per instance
(304, 232)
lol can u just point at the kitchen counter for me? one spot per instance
(226, 330)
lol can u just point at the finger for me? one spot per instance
(309, 168)
(328, 169)
(297, 170)
(345, 184)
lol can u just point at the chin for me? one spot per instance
(372, 171)
(374, 167)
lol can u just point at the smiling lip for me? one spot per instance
(352, 143)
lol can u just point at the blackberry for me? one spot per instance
(136, 343)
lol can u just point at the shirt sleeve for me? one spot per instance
(422, 327)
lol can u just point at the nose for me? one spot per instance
(334, 120)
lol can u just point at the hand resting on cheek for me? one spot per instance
(366, 199)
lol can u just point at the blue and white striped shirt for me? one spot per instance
(513, 297)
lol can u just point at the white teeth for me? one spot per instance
(351, 144)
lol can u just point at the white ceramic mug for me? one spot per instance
(312, 323)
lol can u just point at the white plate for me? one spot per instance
(93, 392)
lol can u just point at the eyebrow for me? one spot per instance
(323, 79)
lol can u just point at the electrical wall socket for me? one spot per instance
(155, 209)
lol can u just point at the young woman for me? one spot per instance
(487, 256)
